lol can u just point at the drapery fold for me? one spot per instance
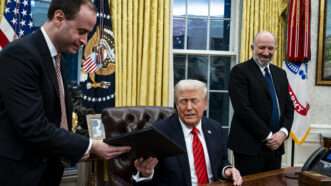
(2, 8)
(263, 15)
(142, 44)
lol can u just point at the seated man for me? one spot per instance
(204, 140)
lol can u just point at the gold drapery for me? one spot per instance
(263, 15)
(142, 45)
(2, 8)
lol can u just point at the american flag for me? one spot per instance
(16, 22)
(89, 64)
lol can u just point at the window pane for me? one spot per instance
(219, 72)
(197, 34)
(178, 33)
(219, 107)
(179, 68)
(198, 68)
(219, 34)
(39, 12)
(179, 7)
(220, 8)
(197, 7)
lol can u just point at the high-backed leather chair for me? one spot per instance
(121, 120)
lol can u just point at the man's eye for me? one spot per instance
(195, 101)
(82, 32)
(183, 101)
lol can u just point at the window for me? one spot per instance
(204, 48)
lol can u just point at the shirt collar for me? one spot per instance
(262, 67)
(187, 130)
(49, 43)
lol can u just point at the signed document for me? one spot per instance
(147, 142)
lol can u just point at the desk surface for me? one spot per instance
(274, 178)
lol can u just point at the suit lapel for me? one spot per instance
(276, 79)
(211, 143)
(47, 59)
(183, 162)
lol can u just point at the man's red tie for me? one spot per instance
(64, 122)
(199, 158)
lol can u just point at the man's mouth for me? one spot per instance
(190, 114)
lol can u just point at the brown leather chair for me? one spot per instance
(118, 121)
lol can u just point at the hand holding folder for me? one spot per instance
(147, 142)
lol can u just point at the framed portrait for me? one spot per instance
(95, 126)
(323, 66)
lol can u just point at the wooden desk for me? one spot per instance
(274, 178)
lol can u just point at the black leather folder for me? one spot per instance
(147, 142)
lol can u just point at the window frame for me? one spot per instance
(233, 51)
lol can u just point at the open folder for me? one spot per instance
(147, 142)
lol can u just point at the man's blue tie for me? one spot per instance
(272, 91)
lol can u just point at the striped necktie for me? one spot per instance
(272, 91)
(199, 158)
(64, 122)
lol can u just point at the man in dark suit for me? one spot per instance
(34, 105)
(263, 110)
(186, 169)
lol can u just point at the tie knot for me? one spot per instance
(58, 58)
(195, 131)
(266, 70)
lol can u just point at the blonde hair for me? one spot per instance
(191, 84)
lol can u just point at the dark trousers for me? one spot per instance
(30, 173)
(264, 161)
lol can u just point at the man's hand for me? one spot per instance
(233, 173)
(106, 151)
(276, 140)
(146, 167)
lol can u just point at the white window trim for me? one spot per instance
(234, 44)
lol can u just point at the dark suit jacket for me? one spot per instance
(251, 101)
(175, 170)
(30, 107)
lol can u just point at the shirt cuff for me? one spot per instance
(223, 170)
(283, 129)
(268, 137)
(138, 178)
(87, 152)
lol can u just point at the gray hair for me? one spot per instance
(191, 84)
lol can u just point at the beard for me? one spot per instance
(262, 62)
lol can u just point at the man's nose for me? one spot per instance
(266, 52)
(189, 105)
(83, 39)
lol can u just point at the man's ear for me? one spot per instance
(206, 107)
(58, 16)
(176, 106)
(206, 104)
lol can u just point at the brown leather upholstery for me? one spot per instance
(121, 120)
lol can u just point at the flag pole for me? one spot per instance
(292, 153)
(292, 175)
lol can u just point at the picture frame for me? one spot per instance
(95, 126)
(323, 65)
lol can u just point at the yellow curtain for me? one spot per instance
(263, 15)
(142, 44)
(2, 8)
